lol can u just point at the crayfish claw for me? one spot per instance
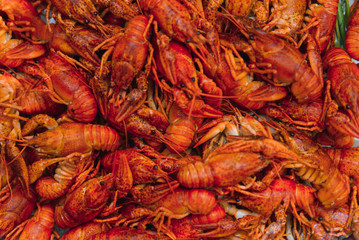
(344, 124)
(26, 50)
(224, 126)
(195, 107)
(207, 112)
(268, 92)
(38, 121)
(133, 101)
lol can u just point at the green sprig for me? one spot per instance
(340, 25)
(347, 11)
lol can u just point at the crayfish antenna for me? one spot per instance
(195, 107)
(101, 27)
(242, 28)
(172, 184)
(202, 49)
(173, 145)
(239, 189)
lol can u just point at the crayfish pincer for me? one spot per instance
(39, 226)
(15, 208)
(84, 203)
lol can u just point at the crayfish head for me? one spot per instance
(149, 193)
(296, 140)
(99, 190)
(47, 142)
(264, 43)
(148, 172)
(348, 97)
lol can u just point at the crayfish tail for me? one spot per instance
(195, 175)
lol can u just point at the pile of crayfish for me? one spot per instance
(178, 119)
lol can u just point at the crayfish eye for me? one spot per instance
(188, 40)
(278, 103)
(348, 106)
(193, 79)
(153, 131)
(102, 183)
(261, 158)
(86, 21)
(35, 146)
(182, 85)
(95, 13)
(198, 33)
(244, 114)
(291, 134)
(2, 72)
(155, 167)
(320, 219)
(251, 37)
